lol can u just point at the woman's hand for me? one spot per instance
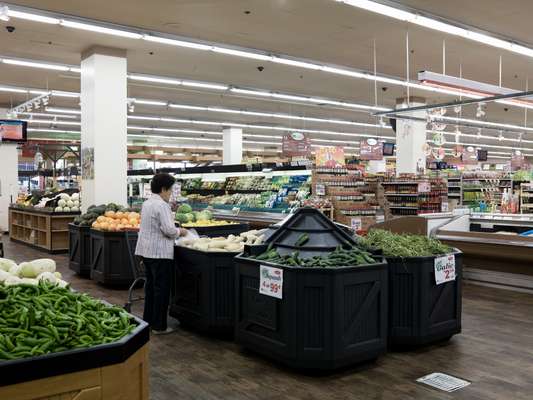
(182, 232)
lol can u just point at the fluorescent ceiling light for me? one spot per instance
(100, 29)
(33, 17)
(39, 114)
(175, 42)
(451, 28)
(150, 102)
(61, 93)
(52, 130)
(296, 63)
(240, 53)
(187, 107)
(155, 79)
(483, 123)
(35, 64)
(205, 85)
(12, 90)
(63, 110)
(52, 122)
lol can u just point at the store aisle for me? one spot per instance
(495, 352)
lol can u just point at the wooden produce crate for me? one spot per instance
(126, 380)
(44, 230)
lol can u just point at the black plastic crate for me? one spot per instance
(80, 249)
(420, 311)
(327, 317)
(110, 261)
(65, 362)
(204, 297)
(222, 230)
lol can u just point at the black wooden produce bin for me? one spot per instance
(110, 261)
(80, 249)
(204, 297)
(327, 317)
(420, 311)
(222, 230)
(65, 362)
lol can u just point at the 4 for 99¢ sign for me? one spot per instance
(271, 281)
(445, 269)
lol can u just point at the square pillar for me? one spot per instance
(410, 139)
(8, 178)
(104, 119)
(232, 146)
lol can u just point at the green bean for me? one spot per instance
(37, 320)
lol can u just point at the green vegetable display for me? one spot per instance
(340, 257)
(403, 245)
(42, 319)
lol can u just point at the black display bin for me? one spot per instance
(80, 249)
(420, 311)
(327, 318)
(110, 261)
(222, 230)
(204, 296)
(48, 365)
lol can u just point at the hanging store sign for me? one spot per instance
(470, 156)
(296, 144)
(517, 160)
(371, 149)
(271, 281)
(330, 157)
(444, 269)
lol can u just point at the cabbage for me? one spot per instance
(61, 283)
(15, 270)
(4, 275)
(58, 275)
(66, 209)
(43, 265)
(58, 209)
(184, 209)
(27, 270)
(47, 276)
(70, 203)
(76, 203)
(75, 196)
(29, 281)
(61, 203)
(12, 280)
(6, 264)
(75, 208)
(64, 196)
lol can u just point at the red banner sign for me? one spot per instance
(296, 144)
(371, 149)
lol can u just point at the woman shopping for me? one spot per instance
(156, 247)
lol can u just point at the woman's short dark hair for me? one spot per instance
(160, 182)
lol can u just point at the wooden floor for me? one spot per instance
(494, 352)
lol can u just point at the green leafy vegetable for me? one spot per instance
(403, 245)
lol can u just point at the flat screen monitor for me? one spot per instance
(482, 155)
(13, 131)
(388, 149)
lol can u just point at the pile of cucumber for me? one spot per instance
(340, 257)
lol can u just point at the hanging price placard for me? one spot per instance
(271, 281)
(444, 269)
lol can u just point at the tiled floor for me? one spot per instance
(495, 352)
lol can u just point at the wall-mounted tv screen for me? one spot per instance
(388, 149)
(13, 131)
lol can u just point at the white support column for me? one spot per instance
(104, 126)
(8, 178)
(410, 139)
(232, 146)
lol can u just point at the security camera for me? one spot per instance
(384, 88)
(10, 28)
(260, 68)
(505, 109)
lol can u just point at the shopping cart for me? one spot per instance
(137, 267)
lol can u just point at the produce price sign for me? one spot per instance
(371, 149)
(271, 281)
(330, 157)
(424, 187)
(356, 224)
(444, 269)
(296, 144)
